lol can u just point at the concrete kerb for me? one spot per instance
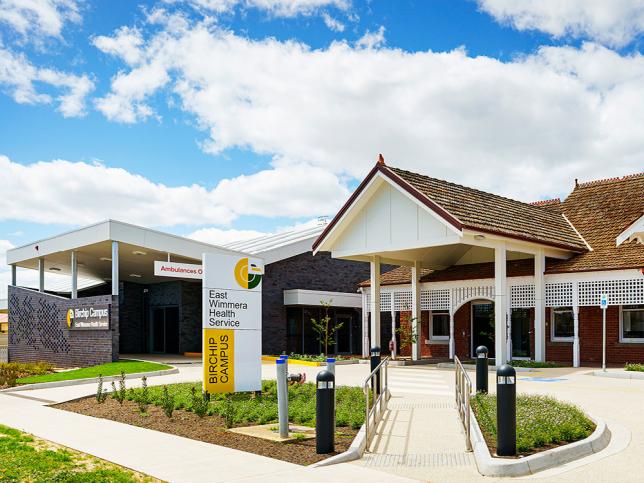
(355, 451)
(91, 380)
(619, 374)
(499, 467)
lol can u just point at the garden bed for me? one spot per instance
(542, 422)
(236, 410)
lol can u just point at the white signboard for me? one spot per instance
(232, 323)
(180, 270)
(603, 301)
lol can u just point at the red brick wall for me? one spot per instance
(426, 350)
(556, 351)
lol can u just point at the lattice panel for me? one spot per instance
(522, 296)
(402, 301)
(620, 292)
(434, 299)
(559, 294)
(463, 294)
(385, 301)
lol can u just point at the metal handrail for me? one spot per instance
(463, 392)
(378, 400)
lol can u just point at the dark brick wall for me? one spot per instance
(305, 271)
(38, 330)
(132, 319)
(190, 324)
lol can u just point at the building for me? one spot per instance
(110, 266)
(479, 269)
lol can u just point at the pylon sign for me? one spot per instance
(232, 323)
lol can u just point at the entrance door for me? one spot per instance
(483, 327)
(164, 331)
(344, 334)
(521, 332)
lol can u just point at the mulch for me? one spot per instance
(209, 429)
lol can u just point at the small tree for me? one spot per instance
(408, 336)
(324, 329)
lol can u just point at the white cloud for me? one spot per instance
(372, 40)
(126, 44)
(534, 123)
(19, 76)
(278, 8)
(611, 22)
(42, 18)
(333, 23)
(79, 193)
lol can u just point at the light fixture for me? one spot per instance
(54, 269)
(479, 237)
(138, 252)
(135, 275)
(105, 259)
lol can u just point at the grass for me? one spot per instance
(318, 358)
(635, 367)
(109, 369)
(246, 408)
(24, 458)
(542, 421)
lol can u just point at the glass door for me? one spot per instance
(483, 327)
(164, 330)
(343, 334)
(521, 332)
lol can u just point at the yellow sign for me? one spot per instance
(218, 360)
(70, 317)
(247, 274)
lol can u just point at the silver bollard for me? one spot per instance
(282, 397)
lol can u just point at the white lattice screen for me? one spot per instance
(559, 294)
(620, 292)
(402, 301)
(385, 301)
(462, 294)
(434, 299)
(522, 296)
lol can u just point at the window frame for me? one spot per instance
(437, 339)
(553, 337)
(628, 340)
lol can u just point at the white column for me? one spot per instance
(115, 268)
(74, 276)
(539, 307)
(508, 318)
(394, 352)
(576, 359)
(41, 274)
(365, 324)
(415, 309)
(452, 348)
(375, 302)
(14, 275)
(500, 313)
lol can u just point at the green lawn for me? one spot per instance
(541, 421)
(109, 369)
(24, 458)
(244, 408)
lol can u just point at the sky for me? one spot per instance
(226, 119)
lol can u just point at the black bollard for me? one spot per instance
(481, 369)
(506, 411)
(325, 413)
(375, 361)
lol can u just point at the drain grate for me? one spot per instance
(428, 404)
(417, 460)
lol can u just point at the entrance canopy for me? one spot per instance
(107, 251)
(403, 218)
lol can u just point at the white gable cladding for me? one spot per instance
(391, 221)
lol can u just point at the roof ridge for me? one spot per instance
(608, 180)
(545, 202)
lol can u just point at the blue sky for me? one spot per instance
(223, 119)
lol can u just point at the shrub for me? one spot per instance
(200, 402)
(532, 364)
(167, 402)
(120, 393)
(541, 421)
(101, 395)
(635, 367)
(10, 372)
(143, 397)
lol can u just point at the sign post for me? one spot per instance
(232, 323)
(603, 303)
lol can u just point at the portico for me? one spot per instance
(392, 219)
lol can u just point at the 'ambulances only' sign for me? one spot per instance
(232, 323)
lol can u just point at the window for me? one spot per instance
(439, 325)
(562, 324)
(632, 323)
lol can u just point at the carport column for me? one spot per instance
(539, 307)
(394, 352)
(508, 308)
(415, 309)
(452, 346)
(365, 324)
(74, 276)
(115, 268)
(14, 276)
(41, 274)
(575, 317)
(375, 302)
(500, 300)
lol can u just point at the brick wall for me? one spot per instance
(132, 317)
(38, 330)
(190, 323)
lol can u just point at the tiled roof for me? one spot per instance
(600, 210)
(483, 211)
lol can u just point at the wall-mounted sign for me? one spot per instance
(179, 270)
(232, 323)
(603, 301)
(94, 317)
